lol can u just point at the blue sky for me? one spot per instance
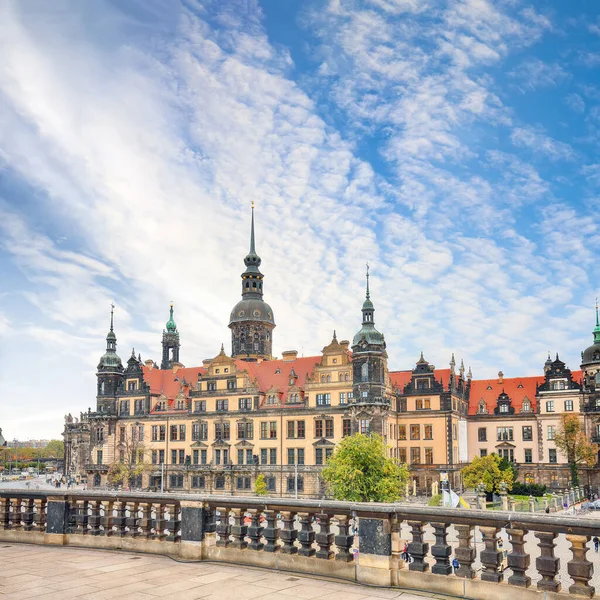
(452, 145)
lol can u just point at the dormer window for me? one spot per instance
(422, 384)
(558, 385)
(217, 371)
(481, 410)
(526, 406)
(504, 408)
(489, 387)
(272, 399)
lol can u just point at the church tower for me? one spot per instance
(251, 321)
(110, 372)
(170, 343)
(369, 373)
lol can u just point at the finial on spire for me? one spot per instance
(368, 293)
(334, 336)
(222, 353)
(597, 322)
(133, 353)
(112, 311)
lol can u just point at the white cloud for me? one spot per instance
(575, 102)
(534, 73)
(538, 141)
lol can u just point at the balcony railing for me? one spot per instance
(354, 541)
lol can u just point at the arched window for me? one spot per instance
(97, 480)
(526, 406)
(347, 377)
(481, 407)
(364, 372)
(322, 378)
(341, 377)
(328, 378)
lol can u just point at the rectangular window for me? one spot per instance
(401, 432)
(504, 434)
(217, 457)
(551, 432)
(423, 403)
(200, 406)
(300, 456)
(231, 384)
(270, 481)
(329, 428)
(328, 453)
(154, 457)
(323, 399)
(139, 407)
(342, 397)
(402, 455)
(482, 434)
(552, 455)
(263, 456)
(291, 429)
(483, 452)
(198, 482)
(161, 456)
(350, 396)
(173, 457)
(240, 458)
(124, 407)
(272, 430)
(319, 428)
(264, 430)
(300, 429)
(222, 405)
(346, 427)
(203, 457)
(291, 455)
(222, 431)
(428, 456)
(162, 434)
(318, 456)
(528, 455)
(550, 406)
(181, 457)
(99, 457)
(415, 432)
(245, 430)
(173, 433)
(195, 457)
(155, 433)
(182, 433)
(527, 433)
(273, 456)
(364, 426)
(568, 405)
(415, 456)
(245, 403)
(243, 483)
(427, 432)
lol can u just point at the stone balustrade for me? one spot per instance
(319, 538)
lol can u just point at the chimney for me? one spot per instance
(149, 364)
(289, 355)
(500, 376)
(345, 344)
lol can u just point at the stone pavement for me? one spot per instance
(55, 573)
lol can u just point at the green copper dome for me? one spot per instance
(591, 355)
(171, 325)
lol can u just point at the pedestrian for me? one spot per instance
(596, 543)
(500, 543)
(405, 553)
(455, 564)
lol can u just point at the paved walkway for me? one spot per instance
(62, 573)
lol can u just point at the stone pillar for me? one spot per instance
(531, 504)
(518, 560)
(503, 501)
(418, 549)
(465, 553)
(546, 504)
(441, 550)
(555, 502)
(57, 521)
(491, 557)
(579, 568)
(512, 505)
(375, 552)
(547, 564)
(192, 521)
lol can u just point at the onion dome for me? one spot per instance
(591, 355)
(110, 360)
(368, 331)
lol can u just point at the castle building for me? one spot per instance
(218, 426)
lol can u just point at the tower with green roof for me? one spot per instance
(170, 343)
(590, 359)
(369, 367)
(110, 371)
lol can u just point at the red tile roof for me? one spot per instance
(400, 379)
(517, 389)
(169, 383)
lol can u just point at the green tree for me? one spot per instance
(55, 448)
(130, 463)
(487, 469)
(571, 440)
(260, 486)
(361, 471)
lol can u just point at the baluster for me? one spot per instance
(81, 518)
(72, 514)
(441, 550)
(107, 519)
(547, 564)
(146, 521)
(288, 534)
(40, 514)
(418, 549)
(579, 567)
(343, 540)
(518, 560)
(133, 520)
(465, 553)
(16, 515)
(173, 523)
(324, 538)
(306, 535)
(210, 519)
(160, 522)
(4, 513)
(95, 519)
(120, 520)
(491, 557)
(271, 531)
(223, 528)
(28, 515)
(255, 530)
(239, 529)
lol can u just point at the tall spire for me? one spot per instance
(171, 325)
(597, 328)
(368, 294)
(111, 338)
(367, 308)
(252, 250)
(112, 311)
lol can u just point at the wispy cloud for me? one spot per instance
(539, 142)
(533, 73)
